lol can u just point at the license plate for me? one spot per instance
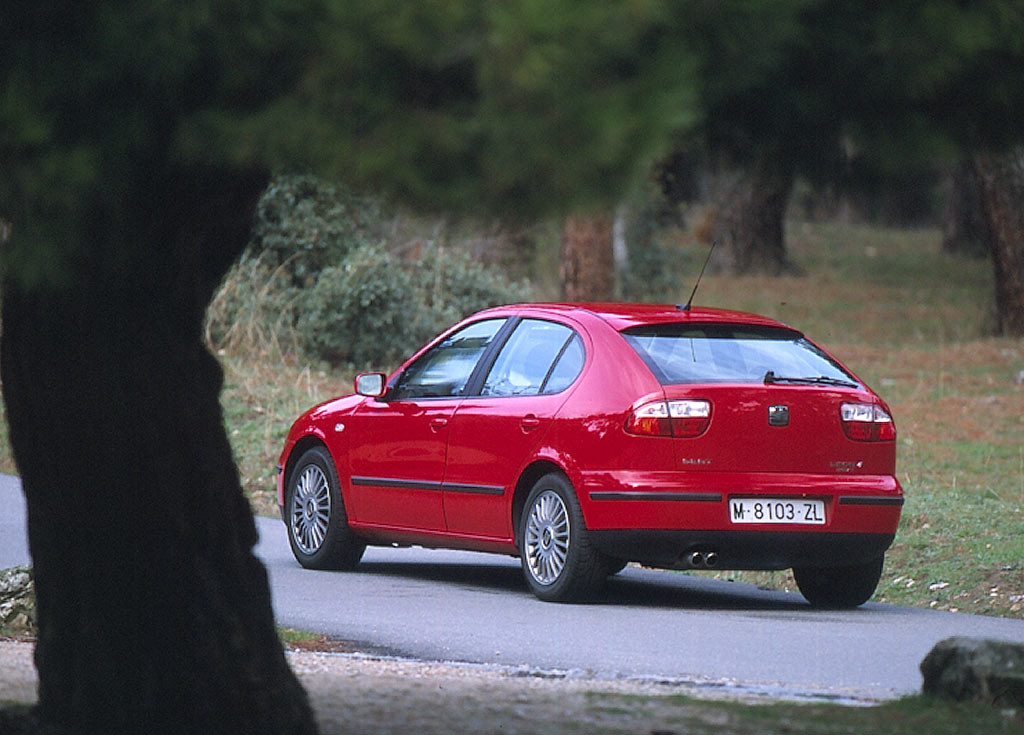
(772, 510)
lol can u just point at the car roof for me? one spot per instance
(621, 316)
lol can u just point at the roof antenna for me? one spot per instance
(701, 275)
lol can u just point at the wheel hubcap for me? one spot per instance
(547, 537)
(311, 510)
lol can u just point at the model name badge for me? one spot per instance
(699, 461)
(844, 466)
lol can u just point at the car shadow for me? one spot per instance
(633, 587)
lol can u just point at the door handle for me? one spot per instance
(529, 423)
(437, 424)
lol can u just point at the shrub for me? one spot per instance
(318, 278)
(305, 224)
(376, 309)
(360, 312)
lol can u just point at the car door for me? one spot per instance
(493, 433)
(398, 449)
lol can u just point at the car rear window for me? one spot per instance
(725, 353)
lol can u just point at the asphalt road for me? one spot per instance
(659, 626)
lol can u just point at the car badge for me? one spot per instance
(778, 415)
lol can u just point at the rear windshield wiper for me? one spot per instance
(770, 377)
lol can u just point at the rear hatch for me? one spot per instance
(760, 399)
(778, 429)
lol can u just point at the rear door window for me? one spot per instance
(540, 357)
(717, 353)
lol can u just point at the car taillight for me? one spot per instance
(866, 422)
(685, 419)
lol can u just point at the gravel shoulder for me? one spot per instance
(355, 693)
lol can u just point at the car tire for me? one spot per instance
(318, 529)
(839, 587)
(559, 562)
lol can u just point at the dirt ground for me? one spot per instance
(352, 693)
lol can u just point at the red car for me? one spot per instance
(581, 437)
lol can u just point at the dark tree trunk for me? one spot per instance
(749, 212)
(964, 228)
(1001, 185)
(154, 615)
(588, 262)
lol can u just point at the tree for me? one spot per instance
(587, 263)
(1001, 184)
(964, 229)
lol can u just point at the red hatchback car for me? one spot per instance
(581, 437)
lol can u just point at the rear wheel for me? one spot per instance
(315, 514)
(839, 587)
(559, 562)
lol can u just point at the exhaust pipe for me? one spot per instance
(701, 559)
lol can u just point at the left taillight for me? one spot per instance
(682, 418)
(867, 422)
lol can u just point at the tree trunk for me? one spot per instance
(964, 228)
(1001, 185)
(588, 263)
(154, 615)
(749, 211)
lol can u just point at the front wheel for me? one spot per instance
(839, 587)
(559, 562)
(318, 530)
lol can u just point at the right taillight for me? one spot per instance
(683, 419)
(867, 422)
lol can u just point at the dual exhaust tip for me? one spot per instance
(701, 559)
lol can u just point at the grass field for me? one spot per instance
(909, 321)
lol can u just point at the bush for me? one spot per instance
(318, 278)
(304, 225)
(451, 286)
(375, 309)
(360, 312)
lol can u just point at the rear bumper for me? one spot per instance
(753, 550)
(662, 518)
(700, 500)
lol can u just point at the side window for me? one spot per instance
(444, 370)
(533, 361)
(569, 365)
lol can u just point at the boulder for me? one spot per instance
(17, 601)
(976, 669)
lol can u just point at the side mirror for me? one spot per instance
(371, 385)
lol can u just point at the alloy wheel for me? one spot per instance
(311, 509)
(547, 537)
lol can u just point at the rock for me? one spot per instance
(17, 601)
(976, 669)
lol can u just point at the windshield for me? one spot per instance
(729, 353)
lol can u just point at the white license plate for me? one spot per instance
(774, 510)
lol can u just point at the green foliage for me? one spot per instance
(319, 277)
(360, 312)
(305, 224)
(101, 101)
(375, 309)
